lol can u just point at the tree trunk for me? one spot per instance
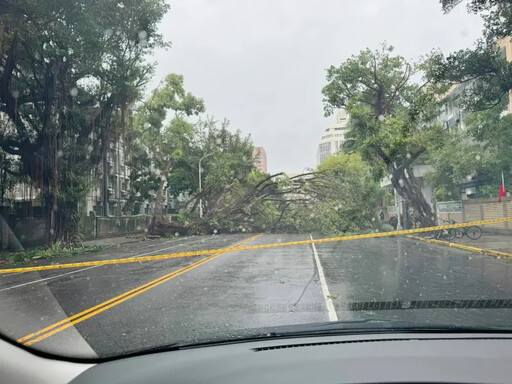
(409, 189)
(158, 214)
(104, 184)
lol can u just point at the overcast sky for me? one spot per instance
(261, 63)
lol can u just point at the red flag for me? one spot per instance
(503, 191)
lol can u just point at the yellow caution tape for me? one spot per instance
(93, 311)
(252, 247)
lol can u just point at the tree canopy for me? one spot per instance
(166, 140)
(391, 117)
(485, 65)
(69, 73)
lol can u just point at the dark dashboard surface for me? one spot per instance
(462, 358)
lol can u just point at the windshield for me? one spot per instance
(185, 172)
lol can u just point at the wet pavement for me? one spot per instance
(229, 295)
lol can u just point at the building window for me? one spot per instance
(324, 151)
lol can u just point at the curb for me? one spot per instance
(481, 251)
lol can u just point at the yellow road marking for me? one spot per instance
(253, 247)
(88, 313)
(482, 251)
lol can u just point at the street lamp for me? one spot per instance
(200, 199)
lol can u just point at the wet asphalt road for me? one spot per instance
(237, 291)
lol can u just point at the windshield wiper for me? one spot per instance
(372, 326)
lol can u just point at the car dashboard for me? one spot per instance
(368, 358)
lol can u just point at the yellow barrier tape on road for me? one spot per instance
(250, 248)
(482, 251)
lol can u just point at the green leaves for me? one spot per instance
(70, 70)
(373, 78)
(391, 117)
(167, 140)
(484, 67)
(481, 151)
(343, 197)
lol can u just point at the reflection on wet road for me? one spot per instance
(392, 269)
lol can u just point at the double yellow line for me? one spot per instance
(93, 311)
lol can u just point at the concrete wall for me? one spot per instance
(17, 233)
(29, 231)
(116, 226)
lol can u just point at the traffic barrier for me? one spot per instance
(251, 247)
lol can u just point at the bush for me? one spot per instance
(56, 249)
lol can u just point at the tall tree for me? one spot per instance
(167, 141)
(68, 72)
(391, 118)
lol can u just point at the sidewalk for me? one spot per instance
(114, 241)
(489, 241)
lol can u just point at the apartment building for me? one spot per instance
(259, 157)
(333, 137)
